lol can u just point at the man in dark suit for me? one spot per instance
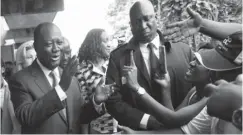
(46, 99)
(125, 105)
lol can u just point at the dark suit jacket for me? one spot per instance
(38, 107)
(125, 105)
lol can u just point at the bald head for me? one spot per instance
(143, 22)
(44, 30)
(48, 43)
(141, 7)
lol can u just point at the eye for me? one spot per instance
(59, 42)
(148, 17)
(48, 44)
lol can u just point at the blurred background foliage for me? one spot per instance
(169, 11)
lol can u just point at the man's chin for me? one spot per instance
(145, 39)
(55, 64)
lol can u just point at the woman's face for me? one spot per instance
(197, 73)
(106, 41)
(29, 58)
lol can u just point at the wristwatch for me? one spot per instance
(141, 91)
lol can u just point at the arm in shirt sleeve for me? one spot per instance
(123, 112)
(32, 112)
(144, 121)
(61, 94)
(170, 118)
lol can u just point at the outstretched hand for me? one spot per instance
(102, 93)
(180, 30)
(126, 130)
(130, 73)
(225, 97)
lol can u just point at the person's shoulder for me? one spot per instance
(180, 45)
(181, 48)
(23, 74)
(119, 51)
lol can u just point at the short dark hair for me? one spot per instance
(92, 48)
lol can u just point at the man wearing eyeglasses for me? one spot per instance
(47, 99)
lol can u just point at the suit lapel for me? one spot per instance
(42, 83)
(40, 78)
(139, 61)
(69, 108)
(61, 112)
(141, 66)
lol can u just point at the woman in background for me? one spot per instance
(25, 55)
(93, 56)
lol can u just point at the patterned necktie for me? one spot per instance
(154, 62)
(54, 83)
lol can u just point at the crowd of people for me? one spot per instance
(153, 84)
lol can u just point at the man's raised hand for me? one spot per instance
(68, 73)
(130, 73)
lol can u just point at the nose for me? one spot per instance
(143, 24)
(55, 47)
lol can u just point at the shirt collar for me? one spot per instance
(155, 41)
(47, 71)
(97, 70)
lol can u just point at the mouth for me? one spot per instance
(55, 57)
(189, 72)
(145, 33)
(108, 49)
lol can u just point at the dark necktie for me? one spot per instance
(154, 66)
(154, 62)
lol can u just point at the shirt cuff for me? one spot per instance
(144, 121)
(185, 129)
(98, 108)
(61, 94)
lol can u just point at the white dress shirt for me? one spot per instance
(61, 94)
(146, 56)
(146, 51)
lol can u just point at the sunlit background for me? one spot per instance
(79, 16)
